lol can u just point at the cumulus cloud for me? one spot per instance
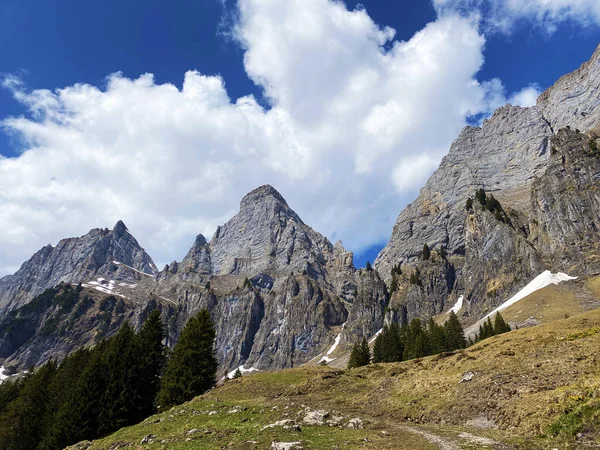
(502, 15)
(356, 123)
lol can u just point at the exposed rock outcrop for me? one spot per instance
(77, 260)
(546, 187)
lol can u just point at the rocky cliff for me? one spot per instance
(101, 253)
(539, 163)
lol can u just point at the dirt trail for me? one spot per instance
(442, 443)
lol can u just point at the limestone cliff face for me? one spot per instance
(566, 205)
(77, 260)
(574, 99)
(545, 180)
(503, 156)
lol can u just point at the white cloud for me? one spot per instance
(502, 15)
(357, 123)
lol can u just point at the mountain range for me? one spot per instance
(513, 198)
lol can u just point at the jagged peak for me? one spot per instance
(200, 241)
(261, 193)
(120, 228)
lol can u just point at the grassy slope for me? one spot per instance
(540, 387)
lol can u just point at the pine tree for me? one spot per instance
(122, 395)
(77, 417)
(360, 355)
(500, 326)
(153, 357)
(393, 285)
(426, 252)
(237, 374)
(455, 335)
(480, 196)
(469, 204)
(417, 343)
(368, 266)
(23, 419)
(378, 348)
(61, 390)
(437, 337)
(192, 368)
(365, 351)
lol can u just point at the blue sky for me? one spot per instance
(51, 45)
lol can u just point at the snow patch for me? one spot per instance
(2, 376)
(243, 370)
(104, 286)
(336, 342)
(544, 279)
(457, 306)
(135, 270)
(375, 336)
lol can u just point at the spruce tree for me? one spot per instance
(454, 333)
(237, 374)
(500, 326)
(378, 348)
(437, 337)
(123, 392)
(153, 357)
(469, 204)
(417, 344)
(368, 266)
(360, 355)
(23, 419)
(61, 390)
(77, 417)
(426, 252)
(192, 368)
(393, 285)
(394, 347)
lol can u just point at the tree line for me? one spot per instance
(414, 340)
(119, 382)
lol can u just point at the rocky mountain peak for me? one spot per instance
(262, 194)
(110, 254)
(267, 235)
(120, 229)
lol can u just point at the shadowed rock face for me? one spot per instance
(546, 186)
(77, 260)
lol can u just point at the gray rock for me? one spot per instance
(77, 260)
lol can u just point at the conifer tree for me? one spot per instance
(122, 395)
(368, 266)
(378, 348)
(393, 285)
(237, 374)
(22, 420)
(394, 346)
(192, 368)
(426, 254)
(500, 326)
(360, 355)
(77, 417)
(61, 390)
(417, 344)
(469, 204)
(436, 336)
(454, 333)
(153, 357)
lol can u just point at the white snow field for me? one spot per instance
(544, 279)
